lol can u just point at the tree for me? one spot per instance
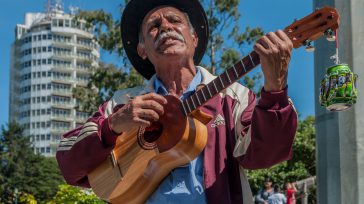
(302, 164)
(71, 194)
(23, 171)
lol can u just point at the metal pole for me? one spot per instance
(305, 194)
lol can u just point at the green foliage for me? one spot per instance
(229, 57)
(302, 164)
(23, 171)
(71, 194)
(249, 36)
(107, 31)
(27, 198)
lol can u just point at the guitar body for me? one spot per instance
(136, 167)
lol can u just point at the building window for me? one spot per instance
(67, 23)
(48, 150)
(60, 22)
(73, 24)
(54, 22)
(44, 37)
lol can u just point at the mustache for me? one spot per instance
(170, 34)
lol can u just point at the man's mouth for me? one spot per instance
(168, 38)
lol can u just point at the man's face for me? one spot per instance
(166, 33)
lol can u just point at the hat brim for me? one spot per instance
(133, 15)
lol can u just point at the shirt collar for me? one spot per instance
(160, 88)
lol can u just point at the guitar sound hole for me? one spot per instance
(148, 135)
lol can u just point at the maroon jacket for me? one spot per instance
(242, 135)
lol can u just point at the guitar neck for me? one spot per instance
(224, 80)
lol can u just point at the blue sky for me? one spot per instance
(269, 15)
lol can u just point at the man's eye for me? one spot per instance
(155, 25)
(175, 20)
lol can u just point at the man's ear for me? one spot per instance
(141, 51)
(195, 39)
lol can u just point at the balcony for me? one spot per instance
(81, 120)
(63, 80)
(62, 117)
(63, 42)
(63, 68)
(62, 92)
(85, 45)
(64, 105)
(85, 57)
(60, 130)
(63, 55)
(84, 70)
(82, 82)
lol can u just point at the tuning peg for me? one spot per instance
(309, 47)
(330, 35)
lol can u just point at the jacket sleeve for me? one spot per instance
(84, 148)
(267, 132)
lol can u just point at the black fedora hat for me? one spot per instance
(131, 20)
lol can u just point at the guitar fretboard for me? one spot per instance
(221, 82)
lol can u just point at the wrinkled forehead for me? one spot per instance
(164, 9)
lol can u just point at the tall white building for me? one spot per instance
(52, 53)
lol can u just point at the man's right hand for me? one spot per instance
(139, 111)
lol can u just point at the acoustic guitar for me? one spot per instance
(143, 157)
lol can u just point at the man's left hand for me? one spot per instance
(274, 50)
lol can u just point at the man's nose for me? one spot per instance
(165, 25)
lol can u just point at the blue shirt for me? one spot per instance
(184, 184)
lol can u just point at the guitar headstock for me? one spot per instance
(313, 26)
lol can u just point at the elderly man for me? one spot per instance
(165, 40)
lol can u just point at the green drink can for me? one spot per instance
(338, 89)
